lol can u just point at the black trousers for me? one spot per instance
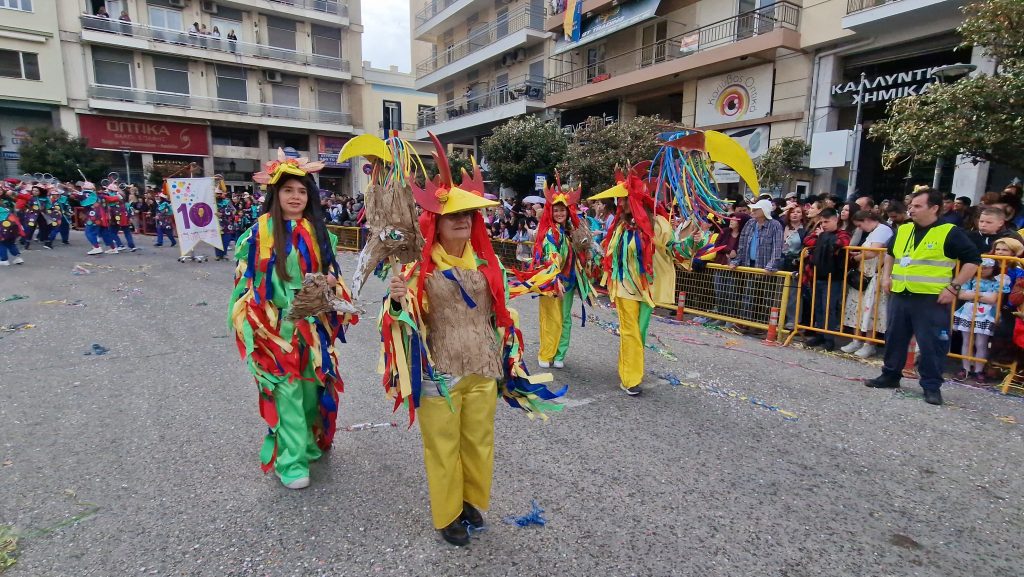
(921, 317)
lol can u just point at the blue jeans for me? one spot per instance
(9, 246)
(225, 240)
(63, 229)
(833, 293)
(112, 233)
(94, 234)
(161, 231)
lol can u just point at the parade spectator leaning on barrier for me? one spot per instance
(825, 264)
(760, 247)
(866, 306)
(992, 227)
(919, 274)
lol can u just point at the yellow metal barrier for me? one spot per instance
(744, 296)
(350, 238)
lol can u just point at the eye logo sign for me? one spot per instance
(733, 101)
(735, 96)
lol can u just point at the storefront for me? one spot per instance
(334, 178)
(133, 146)
(15, 123)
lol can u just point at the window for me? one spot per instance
(233, 137)
(165, 18)
(285, 140)
(113, 67)
(328, 99)
(231, 83)
(14, 64)
(287, 92)
(171, 74)
(392, 115)
(595, 62)
(326, 41)
(25, 5)
(281, 33)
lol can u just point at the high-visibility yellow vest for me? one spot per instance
(926, 268)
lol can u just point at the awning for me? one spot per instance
(605, 23)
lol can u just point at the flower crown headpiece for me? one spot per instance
(275, 169)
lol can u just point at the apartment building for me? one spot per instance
(391, 102)
(221, 83)
(901, 47)
(31, 74)
(485, 60)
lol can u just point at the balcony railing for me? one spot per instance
(234, 47)
(328, 6)
(858, 5)
(404, 127)
(500, 28)
(519, 88)
(206, 104)
(432, 9)
(728, 31)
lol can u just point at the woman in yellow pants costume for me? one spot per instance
(449, 336)
(558, 274)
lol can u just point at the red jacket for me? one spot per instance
(842, 241)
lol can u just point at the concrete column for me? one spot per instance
(208, 169)
(147, 160)
(823, 117)
(971, 179)
(263, 143)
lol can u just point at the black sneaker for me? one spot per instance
(632, 391)
(814, 341)
(471, 516)
(882, 382)
(456, 534)
(830, 345)
(933, 396)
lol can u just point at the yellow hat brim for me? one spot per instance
(617, 191)
(722, 148)
(284, 169)
(365, 145)
(462, 201)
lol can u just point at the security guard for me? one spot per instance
(919, 272)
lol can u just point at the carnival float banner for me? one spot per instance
(195, 217)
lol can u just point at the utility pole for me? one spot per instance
(851, 192)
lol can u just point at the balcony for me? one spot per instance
(406, 130)
(725, 45)
(177, 43)
(521, 28)
(215, 109)
(871, 16)
(439, 16)
(474, 112)
(322, 11)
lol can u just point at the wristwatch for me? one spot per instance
(955, 286)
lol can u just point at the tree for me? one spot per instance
(978, 117)
(521, 148)
(54, 151)
(777, 164)
(597, 148)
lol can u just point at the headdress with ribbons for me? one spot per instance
(442, 196)
(638, 194)
(275, 169)
(555, 195)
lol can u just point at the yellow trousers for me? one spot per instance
(634, 318)
(555, 327)
(458, 447)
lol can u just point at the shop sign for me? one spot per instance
(736, 96)
(886, 87)
(329, 148)
(149, 136)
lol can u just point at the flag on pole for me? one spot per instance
(193, 201)
(573, 15)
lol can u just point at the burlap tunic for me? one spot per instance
(462, 340)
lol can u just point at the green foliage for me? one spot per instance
(597, 148)
(521, 148)
(457, 162)
(980, 116)
(777, 164)
(54, 151)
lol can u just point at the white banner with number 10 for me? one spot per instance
(195, 214)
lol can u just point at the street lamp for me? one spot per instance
(951, 73)
(127, 167)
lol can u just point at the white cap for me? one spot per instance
(765, 205)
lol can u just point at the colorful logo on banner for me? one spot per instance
(194, 202)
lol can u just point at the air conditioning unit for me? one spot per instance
(520, 54)
(209, 7)
(272, 76)
(508, 59)
(176, 3)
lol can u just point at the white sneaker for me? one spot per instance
(96, 250)
(300, 483)
(18, 260)
(543, 364)
(120, 249)
(866, 351)
(111, 251)
(5, 263)
(853, 347)
(559, 364)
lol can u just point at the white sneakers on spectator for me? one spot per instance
(866, 351)
(853, 347)
(96, 250)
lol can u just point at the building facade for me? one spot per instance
(32, 88)
(162, 84)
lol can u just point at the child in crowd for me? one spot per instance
(1001, 345)
(978, 316)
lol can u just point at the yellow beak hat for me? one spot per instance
(442, 196)
(366, 145)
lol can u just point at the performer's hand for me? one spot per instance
(332, 281)
(398, 289)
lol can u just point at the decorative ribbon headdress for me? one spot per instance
(275, 169)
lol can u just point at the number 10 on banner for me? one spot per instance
(199, 215)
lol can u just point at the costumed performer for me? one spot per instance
(449, 335)
(96, 218)
(10, 232)
(558, 272)
(164, 218)
(294, 362)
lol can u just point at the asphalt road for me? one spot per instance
(766, 461)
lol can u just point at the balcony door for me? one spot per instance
(595, 62)
(652, 39)
(392, 116)
(755, 17)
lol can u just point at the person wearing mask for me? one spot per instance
(919, 273)
(826, 263)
